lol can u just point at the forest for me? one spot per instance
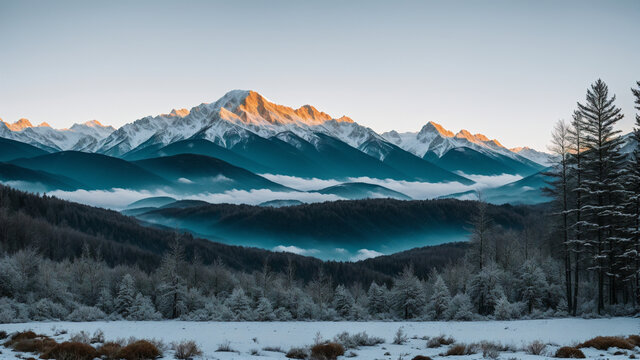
(578, 256)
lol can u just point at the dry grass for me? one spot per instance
(439, 341)
(297, 353)
(634, 339)
(28, 341)
(3, 335)
(109, 350)
(187, 350)
(568, 352)
(139, 350)
(457, 350)
(606, 342)
(536, 348)
(71, 351)
(328, 351)
(273, 349)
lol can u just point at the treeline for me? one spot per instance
(597, 203)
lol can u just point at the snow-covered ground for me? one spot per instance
(244, 337)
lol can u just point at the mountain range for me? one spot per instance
(230, 143)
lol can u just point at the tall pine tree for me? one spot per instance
(602, 180)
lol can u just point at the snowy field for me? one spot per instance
(245, 337)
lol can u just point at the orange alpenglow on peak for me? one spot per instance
(93, 123)
(255, 109)
(44, 124)
(441, 129)
(19, 125)
(179, 113)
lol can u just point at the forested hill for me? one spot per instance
(57, 229)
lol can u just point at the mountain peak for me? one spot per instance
(44, 124)
(179, 113)
(433, 126)
(19, 125)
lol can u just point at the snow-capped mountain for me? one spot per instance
(463, 151)
(534, 155)
(234, 117)
(80, 137)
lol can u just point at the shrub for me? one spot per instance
(633, 339)
(23, 335)
(109, 350)
(357, 340)
(328, 351)
(37, 345)
(3, 335)
(297, 353)
(138, 350)
(82, 337)
(458, 350)
(225, 347)
(71, 351)
(273, 349)
(606, 342)
(439, 341)
(187, 350)
(536, 348)
(421, 357)
(400, 337)
(567, 352)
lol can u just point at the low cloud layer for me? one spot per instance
(364, 254)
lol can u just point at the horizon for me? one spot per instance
(497, 64)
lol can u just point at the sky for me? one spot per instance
(507, 69)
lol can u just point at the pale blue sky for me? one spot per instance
(508, 69)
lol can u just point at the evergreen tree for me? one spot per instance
(143, 309)
(440, 299)
(407, 295)
(460, 308)
(172, 289)
(343, 302)
(377, 295)
(264, 310)
(126, 295)
(577, 241)
(632, 204)
(240, 305)
(602, 179)
(532, 285)
(485, 289)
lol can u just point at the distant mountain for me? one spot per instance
(11, 150)
(198, 173)
(35, 180)
(539, 157)
(359, 190)
(528, 191)
(94, 171)
(151, 202)
(79, 137)
(448, 150)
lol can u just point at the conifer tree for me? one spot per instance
(632, 183)
(172, 289)
(407, 295)
(602, 179)
(439, 300)
(126, 295)
(343, 302)
(577, 241)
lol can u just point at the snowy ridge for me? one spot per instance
(80, 137)
(434, 139)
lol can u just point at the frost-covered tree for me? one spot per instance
(240, 305)
(440, 300)
(264, 310)
(343, 302)
(172, 289)
(105, 300)
(126, 295)
(602, 179)
(532, 284)
(377, 295)
(560, 190)
(460, 308)
(143, 309)
(485, 289)
(408, 295)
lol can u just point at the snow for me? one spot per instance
(247, 336)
